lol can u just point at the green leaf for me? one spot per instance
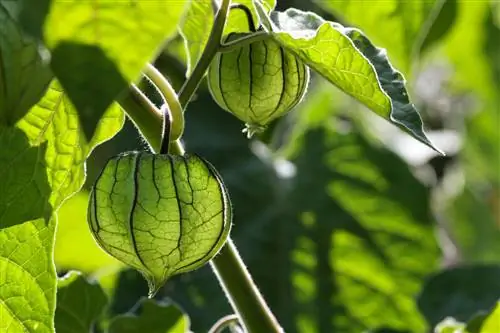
(98, 47)
(152, 317)
(346, 58)
(28, 279)
(48, 166)
(312, 238)
(79, 304)
(24, 76)
(460, 293)
(199, 18)
(398, 26)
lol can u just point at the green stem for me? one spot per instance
(211, 49)
(146, 117)
(242, 292)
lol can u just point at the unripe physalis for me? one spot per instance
(257, 82)
(160, 214)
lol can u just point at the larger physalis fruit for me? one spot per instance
(257, 82)
(160, 214)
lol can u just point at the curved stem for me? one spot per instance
(223, 323)
(211, 49)
(170, 97)
(144, 114)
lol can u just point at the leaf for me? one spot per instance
(312, 233)
(98, 47)
(199, 19)
(28, 279)
(24, 75)
(398, 26)
(79, 304)
(48, 167)
(347, 59)
(152, 317)
(460, 293)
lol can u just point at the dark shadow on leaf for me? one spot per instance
(91, 80)
(24, 186)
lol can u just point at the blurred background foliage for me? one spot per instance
(346, 223)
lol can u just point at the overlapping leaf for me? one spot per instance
(346, 58)
(98, 47)
(47, 166)
(23, 75)
(152, 317)
(80, 303)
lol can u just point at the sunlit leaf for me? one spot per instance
(28, 280)
(80, 303)
(46, 168)
(346, 58)
(152, 317)
(98, 47)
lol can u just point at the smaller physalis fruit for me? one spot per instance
(257, 82)
(160, 214)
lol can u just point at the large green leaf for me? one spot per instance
(23, 75)
(199, 19)
(346, 58)
(313, 241)
(460, 293)
(398, 26)
(98, 47)
(80, 303)
(46, 166)
(152, 317)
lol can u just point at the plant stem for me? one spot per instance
(242, 293)
(211, 49)
(170, 98)
(146, 117)
(229, 268)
